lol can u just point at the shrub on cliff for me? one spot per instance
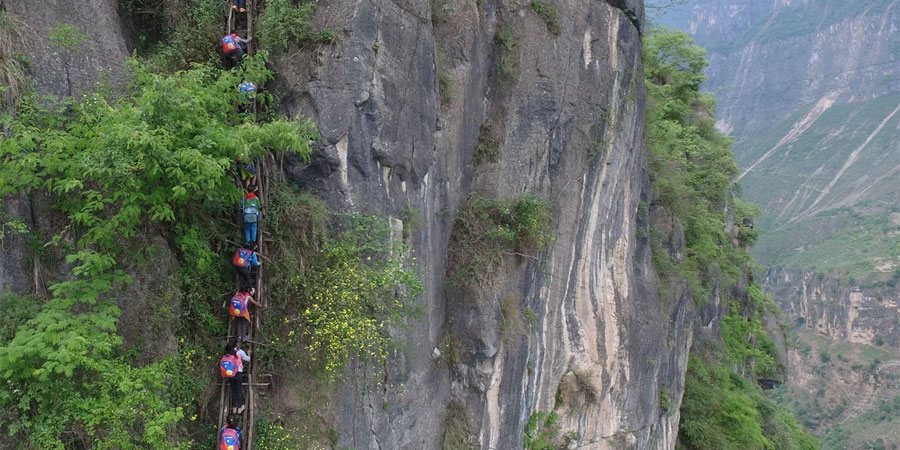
(691, 164)
(285, 22)
(338, 292)
(487, 229)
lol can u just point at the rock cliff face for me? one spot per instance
(389, 144)
(838, 309)
(569, 119)
(59, 70)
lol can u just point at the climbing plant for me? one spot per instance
(158, 157)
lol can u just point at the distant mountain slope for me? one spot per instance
(810, 89)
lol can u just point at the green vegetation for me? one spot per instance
(286, 22)
(488, 229)
(488, 148)
(337, 293)
(355, 290)
(158, 158)
(722, 410)
(172, 35)
(326, 36)
(860, 431)
(445, 80)
(844, 242)
(541, 431)
(691, 164)
(692, 168)
(548, 13)
(451, 349)
(456, 435)
(508, 62)
(513, 324)
(665, 403)
(831, 410)
(66, 37)
(271, 435)
(855, 240)
(412, 222)
(747, 345)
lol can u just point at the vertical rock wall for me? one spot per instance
(839, 309)
(60, 71)
(570, 124)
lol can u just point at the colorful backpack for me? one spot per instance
(231, 439)
(229, 365)
(242, 257)
(229, 44)
(251, 210)
(238, 304)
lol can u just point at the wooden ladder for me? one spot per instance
(250, 375)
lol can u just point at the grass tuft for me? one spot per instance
(548, 13)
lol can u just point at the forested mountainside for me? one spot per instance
(809, 90)
(467, 242)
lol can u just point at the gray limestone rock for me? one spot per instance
(570, 127)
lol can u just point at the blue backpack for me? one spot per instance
(247, 88)
(251, 210)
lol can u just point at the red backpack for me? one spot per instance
(242, 257)
(238, 304)
(229, 365)
(230, 44)
(230, 440)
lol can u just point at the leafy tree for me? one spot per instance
(158, 157)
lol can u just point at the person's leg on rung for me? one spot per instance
(246, 281)
(249, 231)
(237, 394)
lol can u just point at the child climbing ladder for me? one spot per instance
(233, 398)
(243, 370)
